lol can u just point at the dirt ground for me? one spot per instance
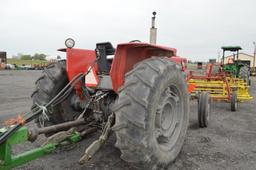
(228, 143)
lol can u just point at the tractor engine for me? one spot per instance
(98, 104)
(93, 94)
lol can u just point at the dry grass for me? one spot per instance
(19, 62)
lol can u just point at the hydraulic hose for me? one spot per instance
(59, 97)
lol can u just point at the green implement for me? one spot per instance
(235, 67)
(9, 161)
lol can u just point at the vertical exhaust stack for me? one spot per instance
(153, 30)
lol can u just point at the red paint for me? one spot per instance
(78, 61)
(209, 70)
(128, 54)
(181, 61)
(191, 87)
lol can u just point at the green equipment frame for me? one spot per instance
(9, 161)
(233, 68)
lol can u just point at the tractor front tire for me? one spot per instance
(52, 81)
(233, 101)
(204, 109)
(152, 114)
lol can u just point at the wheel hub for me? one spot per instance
(167, 118)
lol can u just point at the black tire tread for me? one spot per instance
(204, 100)
(134, 148)
(47, 86)
(233, 101)
(245, 74)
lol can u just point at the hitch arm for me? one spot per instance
(22, 135)
(96, 145)
(8, 161)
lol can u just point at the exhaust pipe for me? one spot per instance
(153, 30)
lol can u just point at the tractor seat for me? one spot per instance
(102, 51)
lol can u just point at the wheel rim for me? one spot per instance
(168, 118)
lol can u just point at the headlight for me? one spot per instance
(70, 43)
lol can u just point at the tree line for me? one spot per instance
(36, 56)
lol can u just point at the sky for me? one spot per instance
(196, 28)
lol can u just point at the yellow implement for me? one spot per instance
(218, 88)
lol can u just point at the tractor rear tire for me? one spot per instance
(204, 109)
(53, 80)
(152, 114)
(244, 74)
(234, 101)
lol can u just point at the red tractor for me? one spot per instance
(140, 91)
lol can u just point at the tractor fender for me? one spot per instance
(128, 54)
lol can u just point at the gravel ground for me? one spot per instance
(228, 143)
